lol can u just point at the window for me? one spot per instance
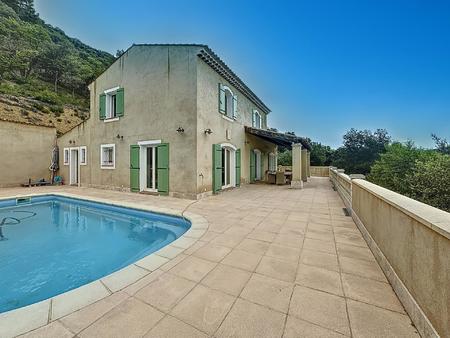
(227, 102)
(83, 155)
(256, 119)
(272, 162)
(111, 104)
(108, 156)
(66, 156)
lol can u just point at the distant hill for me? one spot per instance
(43, 72)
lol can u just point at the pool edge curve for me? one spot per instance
(28, 318)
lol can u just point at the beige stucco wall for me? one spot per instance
(415, 240)
(26, 152)
(209, 117)
(160, 96)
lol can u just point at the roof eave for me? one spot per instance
(282, 139)
(214, 61)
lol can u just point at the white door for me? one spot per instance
(258, 165)
(229, 167)
(148, 175)
(74, 167)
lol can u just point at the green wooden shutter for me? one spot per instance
(134, 167)
(262, 167)
(238, 167)
(120, 101)
(222, 103)
(252, 166)
(162, 156)
(234, 107)
(102, 106)
(217, 168)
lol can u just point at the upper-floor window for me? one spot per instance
(256, 119)
(227, 102)
(111, 104)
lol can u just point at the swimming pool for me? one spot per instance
(53, 244)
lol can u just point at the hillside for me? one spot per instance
(43, 73)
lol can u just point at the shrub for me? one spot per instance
(46, 110)
(418, 173)
(57, 110)
(430, 182)
(394, 167)
(47, 96)
(285, 158)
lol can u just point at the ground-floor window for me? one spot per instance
(272, 162)
(66, 156)
(108, 156)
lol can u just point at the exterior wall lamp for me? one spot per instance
(208, 131)
(120, 137)
(180, 130)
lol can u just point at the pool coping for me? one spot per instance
(31, 317)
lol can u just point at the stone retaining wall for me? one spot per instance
(411, 242)
(26, 152)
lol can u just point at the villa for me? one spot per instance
(173, 120)
(342, 257)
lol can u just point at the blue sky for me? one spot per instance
(321, 66)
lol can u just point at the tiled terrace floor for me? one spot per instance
(274, 262)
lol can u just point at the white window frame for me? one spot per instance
(83, 148)
(66, 156)
(254, 124)
(143, 145)
(108, 114)
(231, 166)
(230, 109)
(103, 146)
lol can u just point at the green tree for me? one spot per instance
(422, 174)
(6, 11)
(321, 155)
(35, 57)
(23, 8)
(360, 150)
(394, 168)
(21, 45)
(430, 182)
(285, 157)
(442, 144)
(119, 53)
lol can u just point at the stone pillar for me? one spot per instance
(308, 163)
(304, 161)
(296, 181)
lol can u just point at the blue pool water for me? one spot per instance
(55, 244)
